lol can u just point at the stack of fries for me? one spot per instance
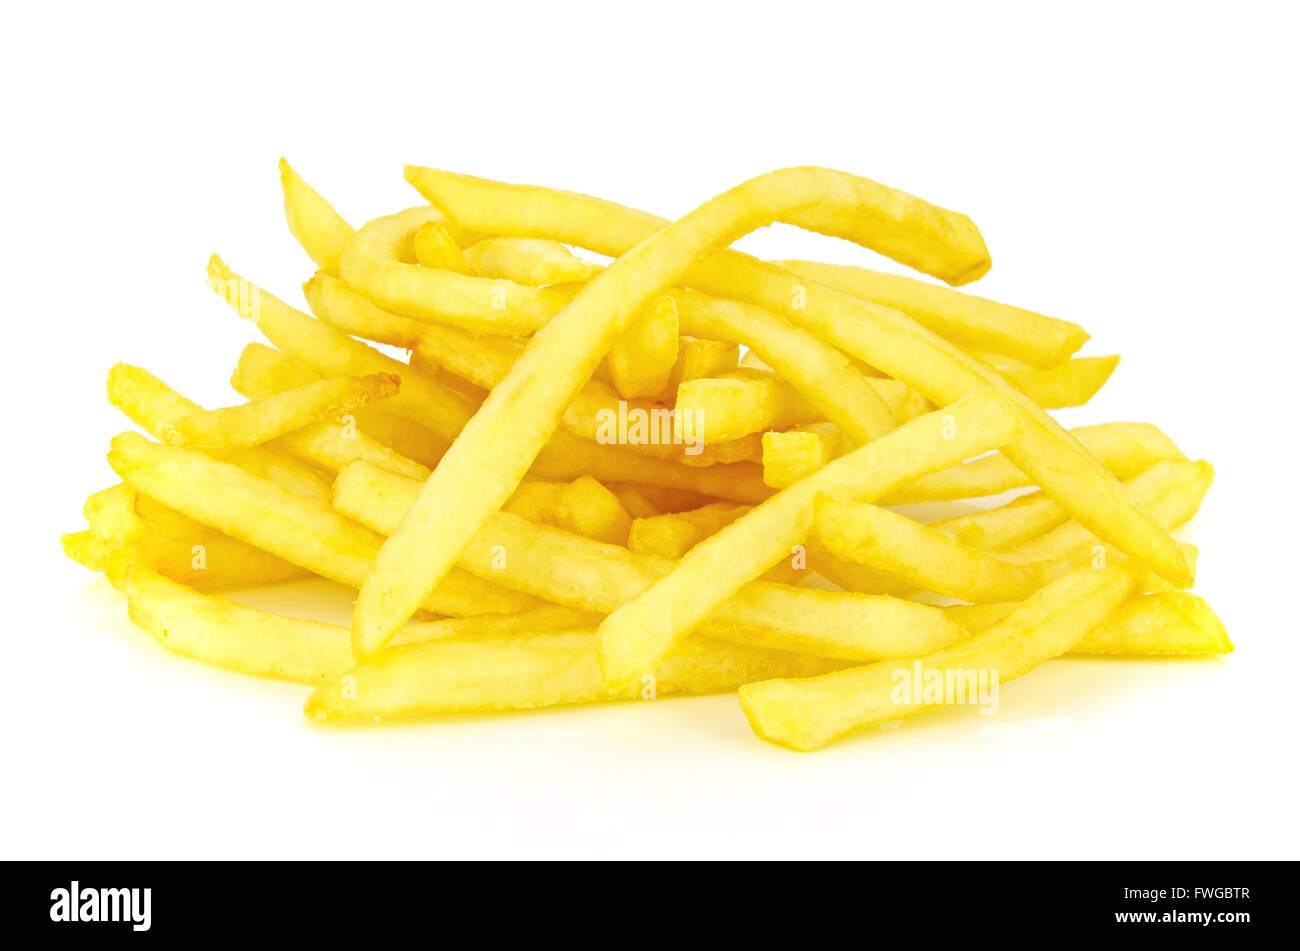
(665, 475)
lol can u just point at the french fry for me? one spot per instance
(742, 403)
(382, 438)
(434, 247)
(261, 420)
(320, 229)
(528, 261)
(585, 574)
(641, 359)
(1071, 383)
(1162, 624)
(640, 632)
(520, 414)
(808, 714)
(797, 453)
(1034, 514)
(673, 535)
(151, 405)
(879, 336)
(467, 676)
(1125, 449)
(699, 357)
(260, 513)
(584, 507)
(372, 263)
(964, 319)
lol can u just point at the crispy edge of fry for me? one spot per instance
(261, 420)
(808, 714)
(435, 247)
(313, 222)
(965, 319)
(372, 263)
(1071, 383)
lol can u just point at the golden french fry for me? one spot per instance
(434, 246)
(262, 514)
(320, 229)
(797, 453)
(741, 403)
(1162, 624)
(1125, 449)
(261, 420)
(1071, 383)
(1030, 515)
(641, 359)
(640, 632)
(372, 263)
(466, 676)
(380, 437)
(808, 714)
(698, 357)
(964, 319)
(151, 405)
(528, 261)
(879, 336)
(673, 535)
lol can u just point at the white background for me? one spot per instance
(1132, 167)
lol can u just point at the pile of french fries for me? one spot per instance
(669, 474)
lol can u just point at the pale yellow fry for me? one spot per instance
(585, 574)
(320, 229)
(1071, 383)
(698, 357)
(964, 319)
(808, 714)
(1162, 624)
(261, 420)
(529, 261)
(744, 402)
(86, 550)
(642, 357)
(263, 372)
(330, 352)
(260, 513)
(1125, 449)
(878, 336)
(435, 247)
(523, 410)
(797, 453)
(149, 403)
(1030, 515)
(469, 676)
(640, 632)
(372, 263)
(929, 559)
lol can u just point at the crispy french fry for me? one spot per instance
(585, 574)
(699, 357)
(742, 403)
(529, 261)
(643, 630)
(382, 438)
(320, 229)
(468, 676)
(1162, 624)
(260, 513)
(1125, 449)
(808, 714)
(261, 420)
(434, 246)
(86, 550)
(673, 535)
(1029, 515)
(1071, 383)
(372, 263)
(641, 359)
(797, 453)
(151, 405)
(879, 336)
(964, 319)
